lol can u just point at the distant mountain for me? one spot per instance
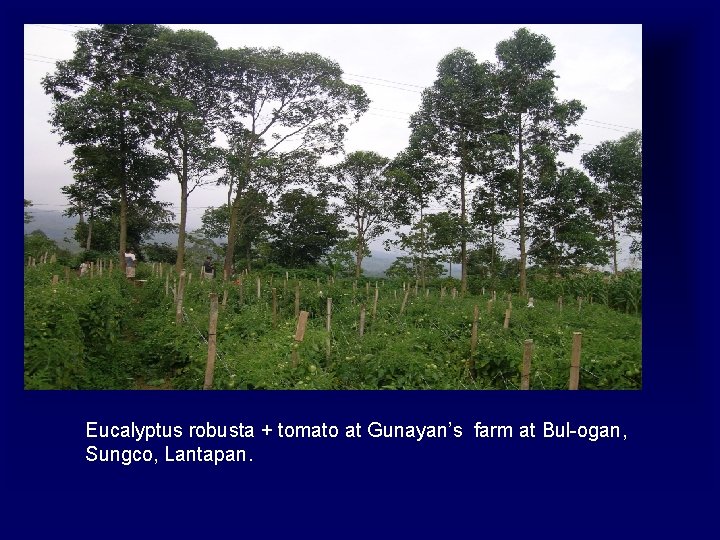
(55, 226)
(61, 228)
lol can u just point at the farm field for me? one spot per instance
(107, 332)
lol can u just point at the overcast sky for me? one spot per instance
(601, 65)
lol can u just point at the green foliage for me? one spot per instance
(105, 332)
(305, 230)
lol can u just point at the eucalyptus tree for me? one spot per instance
(566, 232)
(616, 166)
(304, 231)
(100, 105)
(284, 111)
(184, 72)
(457, 117)
(365, 197)
(537, 121)
(253, 222)
(415, 181)
(87, 196)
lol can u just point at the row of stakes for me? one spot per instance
(302, 316)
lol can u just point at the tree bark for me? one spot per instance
(180, 261)
(463, 227)
(123, 225)
(521, 209)
(89, 234)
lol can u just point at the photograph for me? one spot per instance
(333, 207)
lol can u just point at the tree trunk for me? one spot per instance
(614, 243)
(358, 256)
(89, 234)
(180, 261)
(123, 225)
(463, 227)
(521, 208)
(232, 237)
(422, 248)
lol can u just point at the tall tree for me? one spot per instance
(414, 183)
(617, 168)
(566, 232)
(283, 108)
(533, 115)
(305, 229)
(184, 70)
(492, 207)
(365, 197)
(253, 223)
(456, 117)
(101, 107)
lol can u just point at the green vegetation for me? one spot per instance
(109, 332)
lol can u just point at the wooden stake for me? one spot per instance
(494, 296)
(442, 292)
(212, 339)
(92, 268)
(506, 324)
(297, 299)
(274, 307)
(179, 298)
(258, 288)
(395, 293)
(67, 275)
(575, 361)
(329, 315)
(167, 283)
(527, 360)
(55, 279)
(362, 320)
(473, 341)
(189, 278)
(367, 287)
(560, 302)
(374, 309)
(242, 291)
(225, 295)
(489, 305)
(579, 302)
(402, 308)
(299, 335)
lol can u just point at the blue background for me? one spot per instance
(672, 424)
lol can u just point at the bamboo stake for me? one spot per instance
(402, 308)
(575, 361)
(362, 320)
(299, 335)
(374, 309)
(179, 298)
(274, 307)
(527, 360)
(329, 315)
(473, 341)
(212, 339)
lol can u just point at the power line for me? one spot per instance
(352, 75)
